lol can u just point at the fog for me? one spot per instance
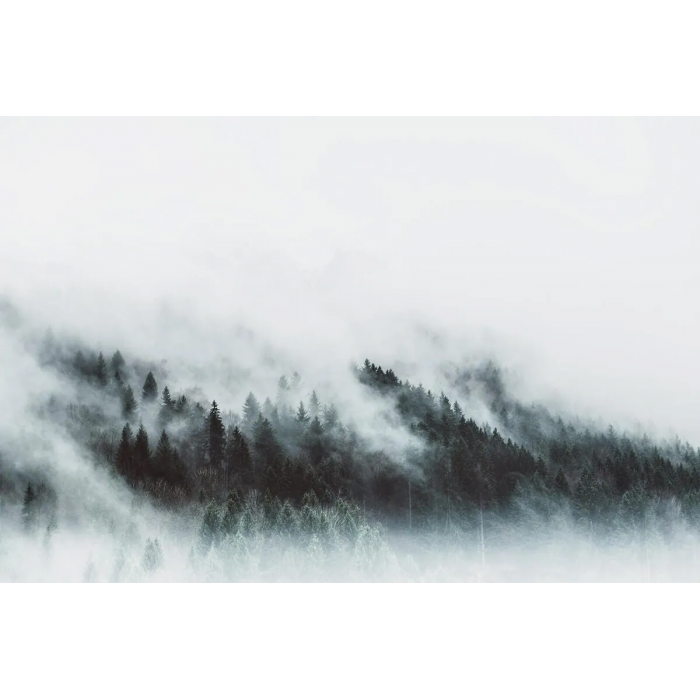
(227, 252)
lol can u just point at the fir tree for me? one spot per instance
(125, 452)
(128, 402)
(163, 456)
(330, 416)
(150, 388)
(216, 438)
(209, 529)
(314, 405)
(251, 410)
(117, 362)
(141, 453)
(167, 406)
(302, 416)
(101, 370)
(237, 455)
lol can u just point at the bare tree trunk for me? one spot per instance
(410, 507)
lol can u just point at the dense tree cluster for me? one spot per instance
(532, 462)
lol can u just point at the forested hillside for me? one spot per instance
(290, 464)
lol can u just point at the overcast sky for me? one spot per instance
(571, 244)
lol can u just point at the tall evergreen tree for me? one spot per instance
(217, 436)
(117, 362)
(101, 370)
(302, 415)
(314, 404)
(167, 406)
(142, 453)
(128, 402)
(251, 410)
(237, 456)
(163, 457)
(124, 457)
(150, 388)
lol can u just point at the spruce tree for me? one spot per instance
(125, 452)
(128, 402)
(330, 416)
(314, 404)
(302, 416)
(216, 439)
(237, 455)
(142, 452)
(117, 362)
(251, 410)
(167, 406)
(163, 456)
(150, 388)
(101, 370)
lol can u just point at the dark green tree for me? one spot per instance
(117, 362)
(163, 457)
(167, 406)
(251, 410)
(237, 458)
(314, 405)
(142, 453)
(128, 402)
(302, 415)
(216, 444)
(124, 458)
(209, 530)
(150, 388)
(101, 370)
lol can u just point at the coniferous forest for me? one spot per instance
(285, 487)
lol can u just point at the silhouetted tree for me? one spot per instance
(217, 437)
(142, 452)
(251, 410)
(150, 388)
(101, 370)
(128, 402)
(124, 458)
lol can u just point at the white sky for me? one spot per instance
(571, 242)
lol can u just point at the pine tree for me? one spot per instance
(330, 416)
(217, 437)
(167, 406)
(314, 404)
(237, 455)
(251, 410)
(142, 453)
(302, 416)
(209, 529)
(150, 388)
(101, 370)
(125, 452)
(117, 362)
(163, 456)
(181, 405)
(561, 484)
(265, 442)
(128, 402)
